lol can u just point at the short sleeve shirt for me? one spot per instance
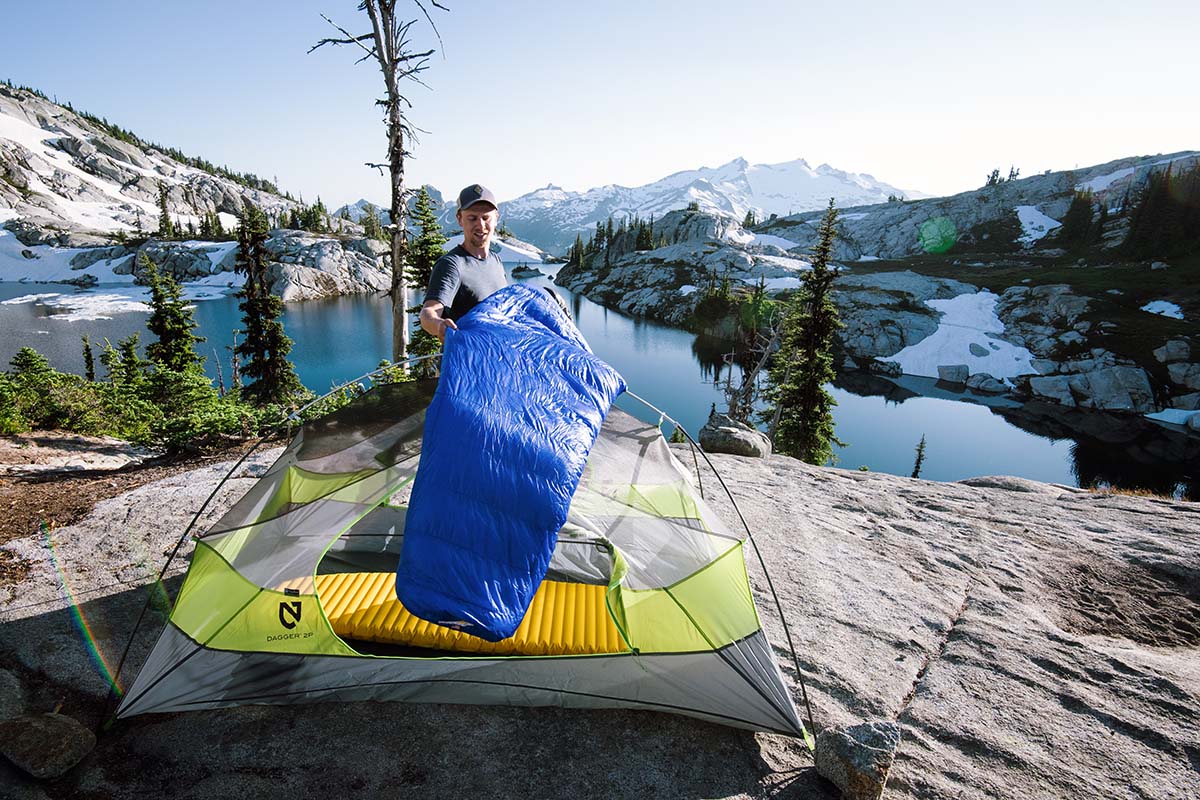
(459, 281)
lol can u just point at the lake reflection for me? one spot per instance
(881, 420)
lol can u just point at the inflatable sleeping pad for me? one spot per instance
(519, 404)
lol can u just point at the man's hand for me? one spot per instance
(432, 321)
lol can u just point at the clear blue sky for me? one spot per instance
(928, 96)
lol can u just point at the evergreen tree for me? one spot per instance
(372, 227)
(1164, 219)
(89, 361)
(29, 363)
(206, 227)
(171, 320)
(166, 228)
(126, 369)
(427, 248)
(920, 460)
(1076, 229)
(750, 220)
(801, 409)
(270, 377)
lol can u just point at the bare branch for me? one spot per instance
(350, 38)
(433, 24)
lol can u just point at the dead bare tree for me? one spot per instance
(388, 43)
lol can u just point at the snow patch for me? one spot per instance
(1102, 182)
(770, 239)
(97, 305)
(1164, 308)
(868, 258)
(687, 289)
(1034, 224)
(966, 319)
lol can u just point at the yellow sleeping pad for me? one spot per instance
(563, 619)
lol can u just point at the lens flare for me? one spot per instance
(937, 235)
(81, 622)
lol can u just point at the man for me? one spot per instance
(468, 273)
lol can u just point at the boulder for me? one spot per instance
(956, 374)
(86, 258)
(1121, 388)
(12, 695)
(1193, 423)
(46, 746)
(1055, 388)
(983, 382)
(723, 434)
(1188, 402)
(1185, 374)
(1174, 350)
(856, 759)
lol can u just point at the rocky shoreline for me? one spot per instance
(1025, 639)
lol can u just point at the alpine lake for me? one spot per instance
(880, 420)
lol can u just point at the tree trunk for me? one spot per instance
(383, 23)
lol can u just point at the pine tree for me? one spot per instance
(125, 368)
(920, 460)
(271, 378)
(801, 412)
(427, 248)
(89, 361)
(171, 320)
(372, 228)
(166, 228)
(1074, 233)
(750, 220)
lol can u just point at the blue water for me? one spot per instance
(338, 339)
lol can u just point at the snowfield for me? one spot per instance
(1164, 308)
(1034, 224)
(967, 334)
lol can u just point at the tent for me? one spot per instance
(290, 596)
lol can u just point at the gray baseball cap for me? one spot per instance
(475, 194)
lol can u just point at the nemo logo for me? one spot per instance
(289, 614)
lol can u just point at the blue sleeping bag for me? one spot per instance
(519, 404)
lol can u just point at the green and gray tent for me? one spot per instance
(290, 598)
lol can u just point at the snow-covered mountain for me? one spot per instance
(68, 177)
(355, 210)
(551, 217)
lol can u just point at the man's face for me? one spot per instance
(478, 222)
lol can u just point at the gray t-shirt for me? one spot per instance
(459, 281)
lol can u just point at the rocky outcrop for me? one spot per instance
(882, 313)
(723, 434)
(983, 220)
(666, 283)
(1025, 639)
(1045, 319)
(77, 160)
(306, 266)
(301, 266)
